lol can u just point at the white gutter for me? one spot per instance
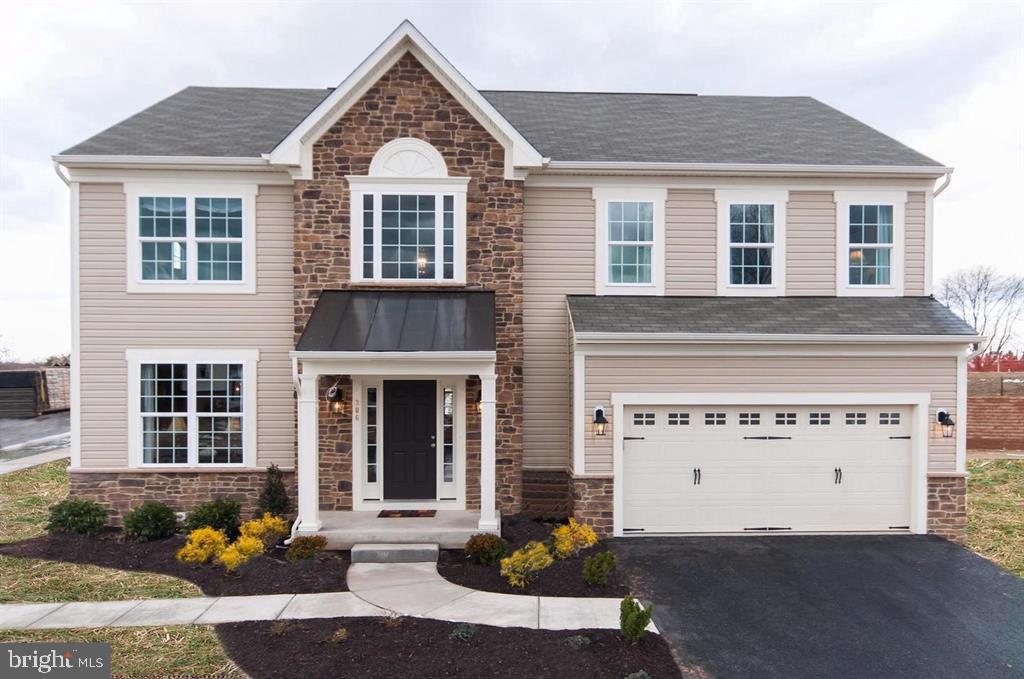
(750, 338)
(945, 182)
(436, 356)
(733, 168)
(63, 178)
(160, 160)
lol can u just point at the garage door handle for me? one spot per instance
(838, 475)
(768, 438)
(632, 438)
(900, 437)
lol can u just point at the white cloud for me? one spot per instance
(947, 77)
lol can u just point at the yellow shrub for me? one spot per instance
(572, 537)
(521, 567)
(203, 544)
(269, 529)
(240, 551)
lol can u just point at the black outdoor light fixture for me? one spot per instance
(947, 422)
(336, 398)
(479, 399)
(600, 423)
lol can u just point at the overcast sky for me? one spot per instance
(947, 79)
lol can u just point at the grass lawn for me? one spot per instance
(187, 650)
(25, 498)
(995, 511)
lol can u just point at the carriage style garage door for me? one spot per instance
(766, 468)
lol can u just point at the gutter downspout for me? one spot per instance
(947, 178)
(63, 178)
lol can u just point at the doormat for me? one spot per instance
(406, 513)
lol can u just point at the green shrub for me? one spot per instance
(597, 568)
(274, 496)
(77, 516)
(522, 566)
(463, 632)
(150, 521)
(642, 674)
(578, 642)
(221, 514)
(305, 547)
(634, 618)
(486, 549)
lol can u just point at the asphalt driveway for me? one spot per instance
(850, 606)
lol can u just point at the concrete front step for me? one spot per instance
(448, 528)
(395, 553)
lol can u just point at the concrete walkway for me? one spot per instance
(377, 589)
(8, 466)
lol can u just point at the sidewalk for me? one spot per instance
(411, 589)
(8, 466)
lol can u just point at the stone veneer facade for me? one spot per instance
(122, 491)
(409, 102)
(947, 505)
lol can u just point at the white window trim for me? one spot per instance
(247, 357)
(437, 187)
(777, 198)
(844, 199)
(190, 191)
(603, 196)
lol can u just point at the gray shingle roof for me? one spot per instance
(765, 315)
(564, 126)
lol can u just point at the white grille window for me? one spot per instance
(888, 418)
(448, 425)
(678, 419)
(371, 434)
(643, 419)
(785, 418)
(714, 418)
(821, 418)
(856, 418)
(750, 418)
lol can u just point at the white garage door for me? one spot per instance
(766, 468)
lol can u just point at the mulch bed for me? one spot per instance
(562, 578)
(269, 574)
(410, 647)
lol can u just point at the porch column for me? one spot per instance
(308, 471)
(488, 438)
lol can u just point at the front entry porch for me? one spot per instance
(448, 528)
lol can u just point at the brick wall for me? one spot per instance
(947, 507)
(995, 422)
(182, 491)
(547, 494)
(409, 102)
(335, 446)
(592, 502)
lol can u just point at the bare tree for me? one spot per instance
(991, 302)
(5, 353)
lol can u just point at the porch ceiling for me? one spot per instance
(400, 321)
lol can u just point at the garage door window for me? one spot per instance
(643, 419)
(820, 418)
(678, 419)
(889, 418)
(856, 418)
(785, 418)
(714, 418)
(750, 418)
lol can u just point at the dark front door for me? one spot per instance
(410, 440)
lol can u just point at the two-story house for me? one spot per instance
(663, 313)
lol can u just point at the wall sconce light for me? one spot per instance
(947, 422)
(479, 399)
(336, 399)
(600, 423)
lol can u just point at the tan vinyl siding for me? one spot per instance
(913, 281)
(113, 321)
(811, 243)
(558, 259)
(690, 242)
(606, 375)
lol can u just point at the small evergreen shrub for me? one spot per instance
(269, 530)
(463, 632)
(597, 568)
(203, 545)
(274, 496)
(486, 549)
(221, 514)
(578, 642)
(340, 636)
(521, 567)
(570, 538)
(634, 618)
(239, 552)
(84, 517)
(305, 547)
(641, 674)
(150, 521)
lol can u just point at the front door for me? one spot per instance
(410, 440)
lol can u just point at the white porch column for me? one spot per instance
(488, 439)
(308, 471)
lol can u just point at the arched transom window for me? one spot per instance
(408, 217)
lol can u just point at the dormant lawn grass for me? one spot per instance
(182, 651)
(25, 499)
(995, 512)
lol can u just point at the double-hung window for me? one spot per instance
(869, 256)
(751, 242)
(630, 241)
(194, 238)
(192, 408)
